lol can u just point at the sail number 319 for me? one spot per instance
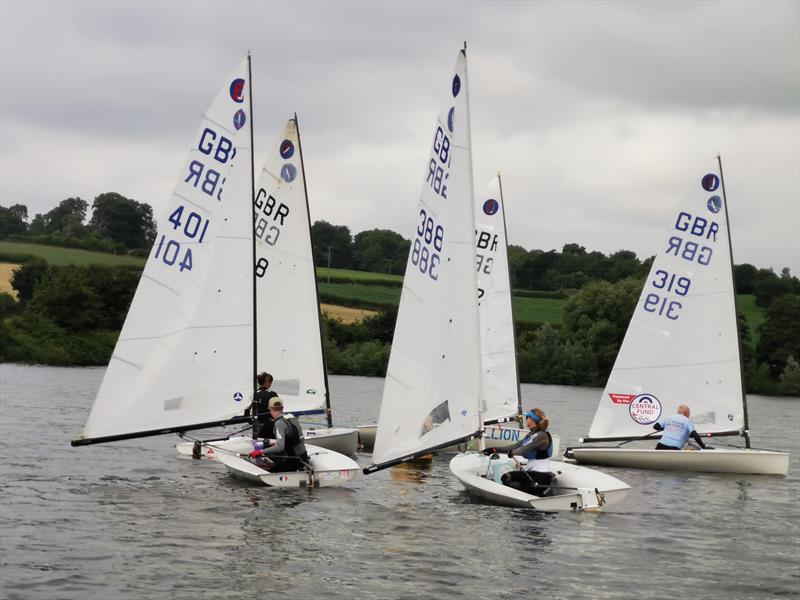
(662, 305)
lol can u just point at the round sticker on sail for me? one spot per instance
(288, 173)
(710, 182)
(714, 204)
(491, 206)
(239, 119)
(237, 90)
(287, 149)
(451, 118)
(456, 85)
(238, 397)
(645, 409)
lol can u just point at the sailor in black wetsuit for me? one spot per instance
(288, 452)
(263, 424)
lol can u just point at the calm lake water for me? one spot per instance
(131, 520)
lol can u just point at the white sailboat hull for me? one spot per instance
(343, 440)
(575, 487)
(754, 462)
(328, 469)
(366, 436)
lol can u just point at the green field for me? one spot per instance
(346, 275)
(56, 255)
(360, 296)
(526, 310)
(350, 288)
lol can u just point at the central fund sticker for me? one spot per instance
(645, 409)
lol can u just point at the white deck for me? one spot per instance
(757, 462)
(575, 488)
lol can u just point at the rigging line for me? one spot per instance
(695, 364)
(179, 331)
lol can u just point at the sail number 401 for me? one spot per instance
(662, 305)
(193, 226)
(427, 245)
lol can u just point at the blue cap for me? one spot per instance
(536, 418)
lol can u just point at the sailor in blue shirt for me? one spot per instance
(677, 431)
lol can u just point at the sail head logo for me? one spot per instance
(491, 206)
(645, 409)
(239, 119)
(714, 204)
(288, 172)
(286, 149)
(456, 85)
(237, 90)
(710, 182)
(451, 118)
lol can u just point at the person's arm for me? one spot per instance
(696, 437)
(280, 439)
(536, 442)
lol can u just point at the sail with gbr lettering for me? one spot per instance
(185, 353)
(432, 393)
(682, 343)
(498, 350)
(289, 341)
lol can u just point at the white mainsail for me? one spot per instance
(498, 351)
(432, 390)
(184, 355)
(682, 343)
(289, 341)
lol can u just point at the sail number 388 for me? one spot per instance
(427, 245)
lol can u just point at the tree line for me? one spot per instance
(117, 224)
(69, 315)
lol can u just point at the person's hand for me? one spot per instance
(256, 453)
(489, 451)
(708, 447)
(510, 454)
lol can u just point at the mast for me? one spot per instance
(316, 283)
(510, 299)
(735, 307)
(253, 227)
(478, 376)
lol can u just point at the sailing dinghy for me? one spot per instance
(289, 324)
(501, 391)
(575, 489)
(433, 394)
(682, 347)
(185, 357)
(432, 389)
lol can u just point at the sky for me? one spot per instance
(599, 115)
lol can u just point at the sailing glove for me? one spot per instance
(256, 453)
(489, 451)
